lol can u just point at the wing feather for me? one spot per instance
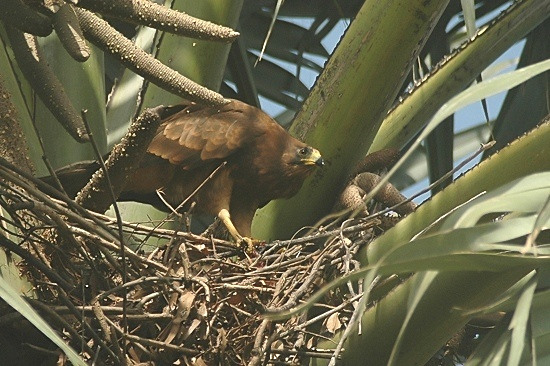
(192, 138)
(195, 135)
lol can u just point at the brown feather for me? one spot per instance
(260, 158)
(263, 161)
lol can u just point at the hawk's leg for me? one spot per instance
(225, 217)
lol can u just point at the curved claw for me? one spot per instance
(243, 242)
(248, 244)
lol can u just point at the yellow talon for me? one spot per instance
(249, 244)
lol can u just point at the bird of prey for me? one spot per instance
(229, 160)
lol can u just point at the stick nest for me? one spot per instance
(176, 298)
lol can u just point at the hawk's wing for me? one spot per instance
(198, 134)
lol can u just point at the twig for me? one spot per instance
(118, 216)
(48, 272)
(314, 353)
(112, 246)
(151, 342)
(78, 214)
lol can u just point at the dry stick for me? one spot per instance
(63, 296)
(176, 287)
(170, 254)
(185, 261)
(111, 310)
(291, 301)
(228, 286)
(41, 212)
(274, 336)
(116, 247)
(306, 283)
(47, 214)
(167, 233)
(204, 286)
(139, 281)
(65, 324)
(103, 237)
(151, 342)
(156, 16)
(59, 282)
(281, 282)
(88, 309)
(114, 340)
(274, 267)
(31, 260)
(347, 258)
(130, 253)
(257, 347)
(124, 159)
(57, 205)
(355, 319)
(327, 234)
(61, 224)
(107, 334)
(145, 352)
(15, 223)
(314, 354)
(219, 262)
(40, 76)
(113, 42)
(8, 174)
(241, 311)
(321, 316)
(103, 320)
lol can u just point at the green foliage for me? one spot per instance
(334, 117)
(10, 296)
(463, 252)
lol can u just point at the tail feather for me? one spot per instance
(73, 177)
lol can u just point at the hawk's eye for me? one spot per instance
(303, 151)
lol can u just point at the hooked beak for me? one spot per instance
(314, 158)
